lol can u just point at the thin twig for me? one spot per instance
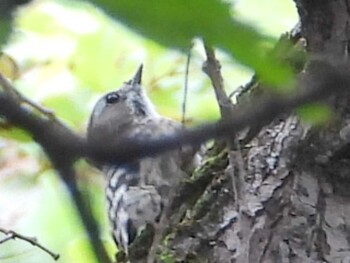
(184, 102)
(6, 238)
(63, 146)
(49, 113)
(9, 89)
(212, 68)
(64, 143)
(61, 157)
(10, 234)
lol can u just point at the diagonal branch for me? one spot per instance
(10, 234)
(64, 147)
(313, 86)
(56, 139)
(212, 68)
(62, 144)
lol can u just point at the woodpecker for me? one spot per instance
(138, 191)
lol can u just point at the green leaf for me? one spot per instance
(175, 23)
(68, 107)
(5, 30)
(315, 113)
(94, 61)
(15, 133)
(8, 66)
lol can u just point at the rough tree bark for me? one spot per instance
(284, 197)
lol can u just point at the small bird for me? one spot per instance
(137, 192)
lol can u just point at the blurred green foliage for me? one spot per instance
(176, 23)
(5, 29)
(69, 53)
(315, 113)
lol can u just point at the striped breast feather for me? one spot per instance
(123, 175)
(131, 206)
(118, 181)
(138, 207)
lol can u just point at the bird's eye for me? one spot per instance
(112, 98)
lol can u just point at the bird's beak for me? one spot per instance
(138, 76)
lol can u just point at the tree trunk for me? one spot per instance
(285, 197)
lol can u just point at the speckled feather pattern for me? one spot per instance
(136, 192)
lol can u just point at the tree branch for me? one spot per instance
(62, 144)
(56, 139)
(64, 147)
(10, 234)
(212, 68)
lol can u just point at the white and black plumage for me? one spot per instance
(137, 192)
